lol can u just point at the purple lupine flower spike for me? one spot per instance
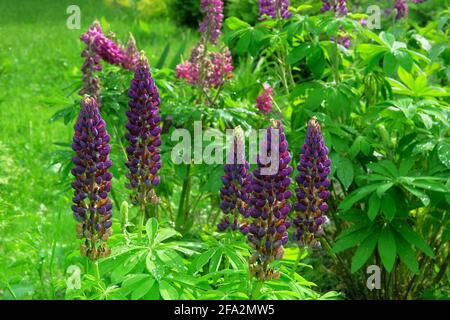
(312, 191)
(211, 25)
(107, 49)
(236, 186)
(264, 100)
(144, 158)
(273, 8)
(92, 207)
(267, 228)
(402, 9)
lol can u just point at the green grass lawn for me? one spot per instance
(39, 61)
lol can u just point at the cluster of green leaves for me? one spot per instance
(158, 266)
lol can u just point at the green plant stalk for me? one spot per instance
(184, 201)
(297, 261)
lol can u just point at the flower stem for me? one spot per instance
(256, 290)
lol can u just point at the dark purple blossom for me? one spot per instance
(267, 228)
(144, 158)
(211, 25)
(274, 9)
(236, 185)
(312, 191)
(92, 207)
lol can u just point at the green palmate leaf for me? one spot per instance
(381, 190)
(126, 267)
(406, 253)
(152, 228)
(236, 261)
(387, 39)
(204, 258)
(390, 167)
(215, 261)
(405, 167)
(387, 248)
(141, 290)
(168, 291)
(164, 234)
(443, 150)
(427, 183)
(234, 23)
(316, 60)
(133, 282)
(374, 205)
(365, 250)
(298, 53)
(345, 172)
(352, 239)
(413, 238)
(389, 63)
(357, 195)
(419, 194)
(388, 206)
(404, 59)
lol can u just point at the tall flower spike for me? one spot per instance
(267, 229)
(211, 25)
(264, 100)
(273, 8)
(92, 207)
(236, 184)
(312, 191)
(144, 159)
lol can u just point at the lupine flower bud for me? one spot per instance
(267, 230)
(264, 100)
(402, 9)
(90, 66)
(312, 191)
(92, 207)
(144, 159)
(131, 54)
(273, 8)
(211, 25)
(236, 185)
